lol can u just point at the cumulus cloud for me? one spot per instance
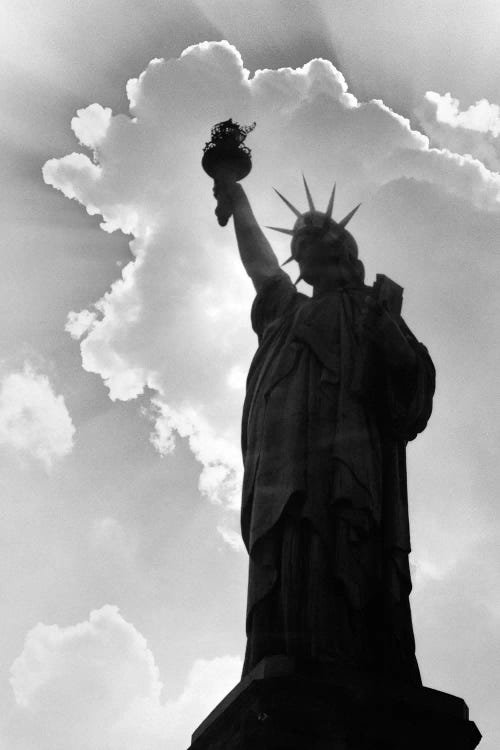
(91, 124)
(474, 130)
(78, 323)
(33, 419)
(221, 473)
(177, 320)
(103, 657)
(96, 685)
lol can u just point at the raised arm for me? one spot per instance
(256, 253)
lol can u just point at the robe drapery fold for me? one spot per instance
(324, 507)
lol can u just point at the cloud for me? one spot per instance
(176, 323)
(220, 476)
(474, 131)
(104, 659)
(208, 681)
(96, 685)
(33, 419)
(91, 124)
(231, 537)
(78, 323)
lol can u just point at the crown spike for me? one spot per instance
(329, 208)
(279, 229)
(308, 193)
(287, 261)
(349, 216)
(298, 279)
(292, 208)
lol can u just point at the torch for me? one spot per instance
(226, 159)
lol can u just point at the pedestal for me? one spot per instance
(284, 705)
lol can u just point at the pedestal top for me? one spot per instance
(285, 704)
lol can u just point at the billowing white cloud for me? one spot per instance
(96, 685)
(474, 130)
(33, 419)
(91, 124)
(78, 323)
(104, 660)
(177, 321)
(221, 473)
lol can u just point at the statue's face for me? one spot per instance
(323, 261)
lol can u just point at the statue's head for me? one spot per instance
(323, 248)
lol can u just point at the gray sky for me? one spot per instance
(124, 351)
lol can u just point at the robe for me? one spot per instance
(324, 507)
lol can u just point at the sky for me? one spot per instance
(125, 335)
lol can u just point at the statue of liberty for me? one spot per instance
(336, 389)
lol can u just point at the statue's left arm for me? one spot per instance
(389, 336)
(408, 375)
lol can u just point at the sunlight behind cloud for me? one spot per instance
(474, 131)
(177, 321)
(481, 116)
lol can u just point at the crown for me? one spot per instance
(317, 222)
